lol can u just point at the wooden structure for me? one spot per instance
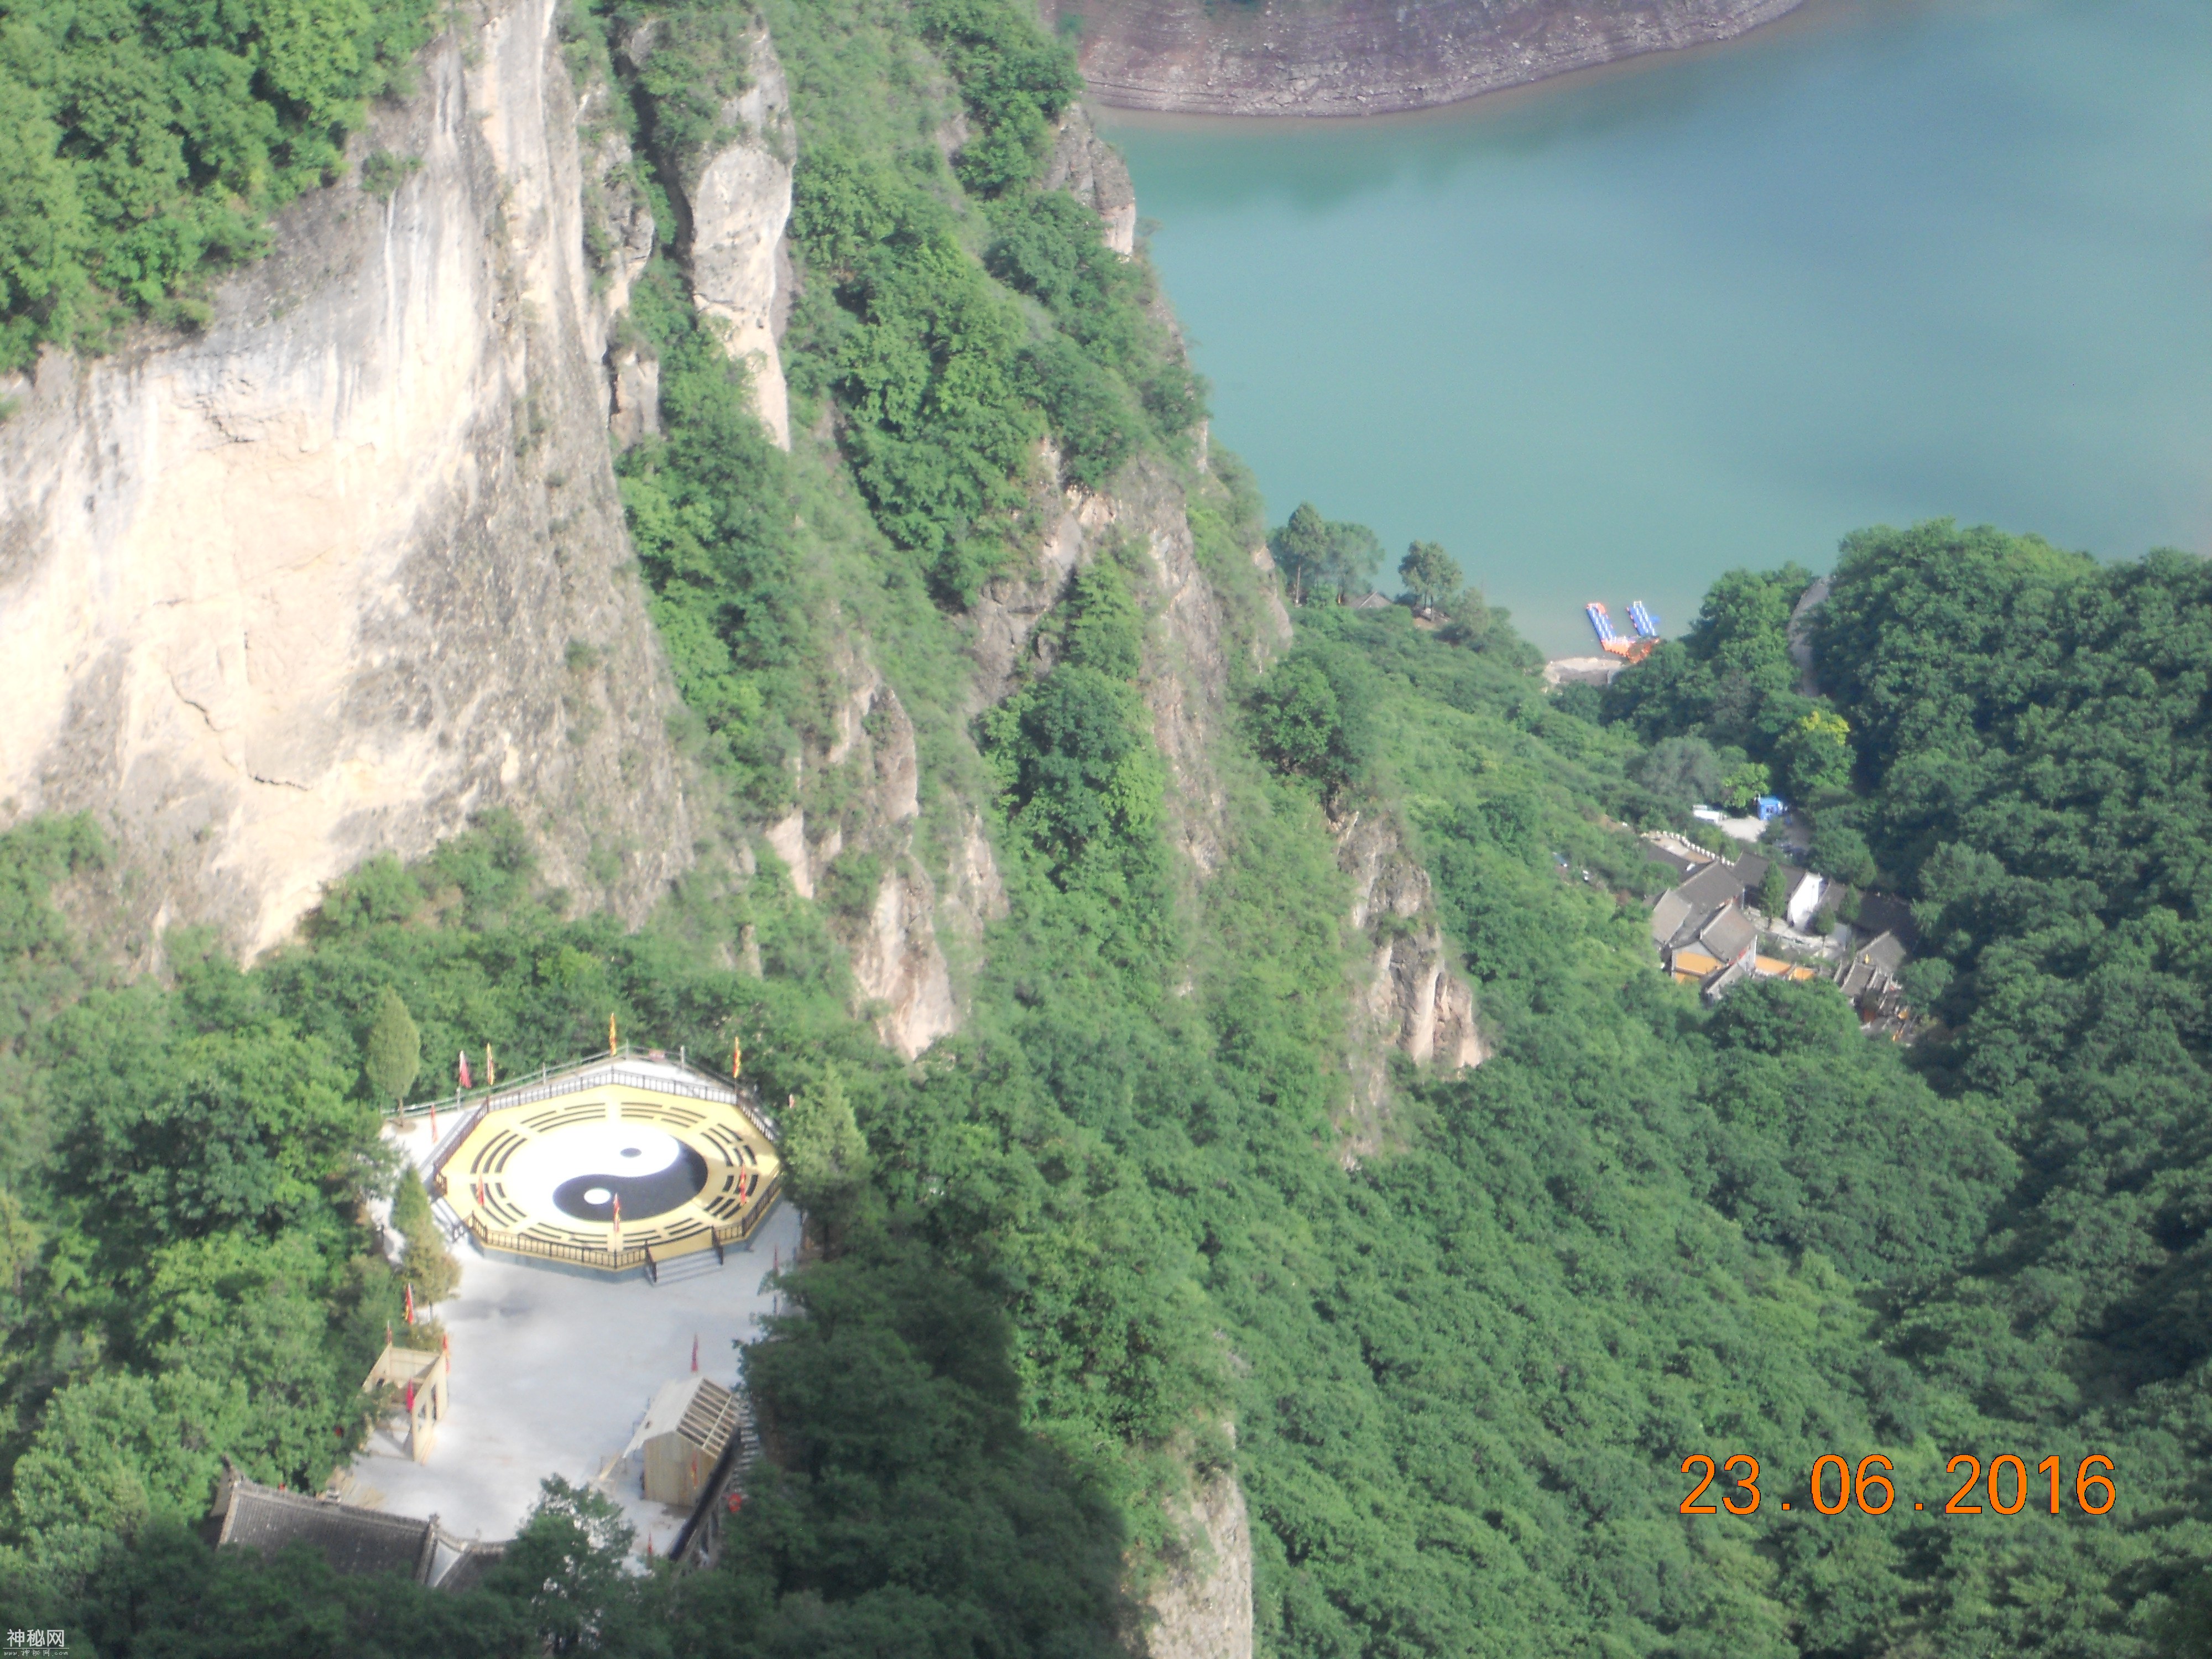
(418, 1378)
(686, 1429)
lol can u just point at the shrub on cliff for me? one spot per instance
(143, 146)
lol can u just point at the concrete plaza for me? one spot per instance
(551, 1371)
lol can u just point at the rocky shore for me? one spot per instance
(1368, 56)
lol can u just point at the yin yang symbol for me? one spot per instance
(583, 1169)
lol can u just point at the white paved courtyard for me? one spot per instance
(551, 1371)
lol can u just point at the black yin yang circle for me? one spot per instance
(593, 1165)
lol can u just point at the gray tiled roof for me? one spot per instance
(1669, 915)
(352, 1540)
(1684, 914)
(1728, 979)
(1680, 863)
(1717, 883)
(1886, 953)
(1729, 934)
(468, 1573)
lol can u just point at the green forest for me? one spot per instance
(1107, 1240)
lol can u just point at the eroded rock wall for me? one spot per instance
(1369, 56)
(1415, 999)
(347, 566)
(1090, 169)
(736, 213)
(899, 885)
(1201, 1607)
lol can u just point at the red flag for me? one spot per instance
(695, 1353)
(411, 1302)
(410, 1396)
(446, 1343)
(466, 1083)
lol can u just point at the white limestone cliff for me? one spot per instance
(1415, 999)
(738, 209)
(346, 568)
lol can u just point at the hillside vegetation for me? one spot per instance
(1108, 1239)
(143, 146)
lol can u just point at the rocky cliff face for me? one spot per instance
(1414, 1000)
(1090, 169)
(891, 881)
(1367, 56)
(1185, 680)
(347, 567)
(1201, 1607)
(734, 214)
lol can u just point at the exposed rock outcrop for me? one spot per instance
(1804, 616)
(1367, 56)
(1090, 169)
(1201, 1607)
(347, 566)
(1415, 999)
(863, 847)
(736, 210)
(1185, 679)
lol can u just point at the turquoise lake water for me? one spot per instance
(1606, 337)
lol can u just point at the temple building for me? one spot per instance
(353, 1540)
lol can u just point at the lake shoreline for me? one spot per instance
(1607, 338)
(1368, 58)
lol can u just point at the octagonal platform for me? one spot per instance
(617, 1165)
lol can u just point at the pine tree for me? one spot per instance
(1428, 574)
(822, 1144)
(429, 1265)
(395, 1050)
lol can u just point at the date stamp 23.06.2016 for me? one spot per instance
(1835, 1484)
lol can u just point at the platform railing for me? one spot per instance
(551, 1081)
(555, 1080)
(739, 1231)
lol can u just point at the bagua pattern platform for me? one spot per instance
(618, 1164)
